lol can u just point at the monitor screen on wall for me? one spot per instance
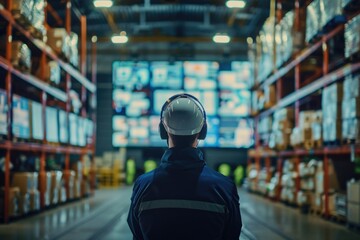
(141, 88)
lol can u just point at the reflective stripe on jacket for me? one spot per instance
(184, 199)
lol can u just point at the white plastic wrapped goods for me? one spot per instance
(287, 40)
(74, 52)
(20, 55)
(59, 40)
(313, 20)
(279, 45)
(352, 36)
(329, 10)
(38, 15)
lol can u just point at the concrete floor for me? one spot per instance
(104, 217)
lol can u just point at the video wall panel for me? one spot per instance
(141, 88)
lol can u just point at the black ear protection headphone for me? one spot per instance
(163, 132)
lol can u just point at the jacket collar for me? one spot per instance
(183, 158)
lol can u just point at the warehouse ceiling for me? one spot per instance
(168, 29)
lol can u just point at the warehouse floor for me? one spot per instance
(104, 217)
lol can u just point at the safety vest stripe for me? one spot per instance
(184, 204)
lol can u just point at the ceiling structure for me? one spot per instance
(169, 29)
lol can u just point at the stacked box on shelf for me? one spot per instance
(251, 178)
(46, 177)
(56, 185)
(69, 182)
(58, 39)
(309, 130)
(322, 15)
(3, 113)
(307, 172)
(263, 180)
(13, 202)
(50, 72)
(352, 37)
(283, 122)
(333, 188)
(331, 13)
(264, 130)
(351, 109)
(288, 182)
(77, 167)
(273, 186)
(289, 39)
(353, 202)
(252, 60)
(20, 54)
(331, 108)
(30, 14)
(266, 47)
(27, 182)
(313, 20)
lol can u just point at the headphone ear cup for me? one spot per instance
(202, 133)
(163, 133)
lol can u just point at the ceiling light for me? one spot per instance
(122, 38)
(235, 4)
(103, 3)
(221, 38)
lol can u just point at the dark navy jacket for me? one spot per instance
(184, 199)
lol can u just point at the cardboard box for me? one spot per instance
(353, 213)
(331, 204)
(52, 72)
(24, 203)
(13, 203)
(270, 96)
(352, 40)
(26, 181)
(353, 191)
(332, 93)
(332, 130)
(56, 177)
(306, 118)
(58, 39)
(34, 200)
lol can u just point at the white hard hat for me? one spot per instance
(183, 115)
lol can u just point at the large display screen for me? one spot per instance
(21, 121)
(3, 112)
(140, 89)
(166, 75)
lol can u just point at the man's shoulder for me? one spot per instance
(215, 176)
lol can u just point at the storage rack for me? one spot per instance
(260, 154)
(88, 87)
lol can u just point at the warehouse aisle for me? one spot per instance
(104, 217)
